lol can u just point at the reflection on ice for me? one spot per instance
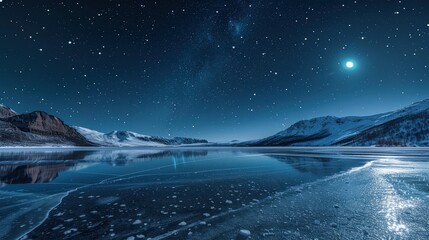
(43, 166)
(393, 204)
(21, 174)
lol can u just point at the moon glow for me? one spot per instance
(350, 64)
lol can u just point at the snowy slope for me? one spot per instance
(118, 138)
(132, 139)
(326, 131)
(406, 130)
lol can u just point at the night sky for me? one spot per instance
(219, 70)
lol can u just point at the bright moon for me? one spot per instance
(350, 64)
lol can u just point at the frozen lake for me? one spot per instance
(273, 193)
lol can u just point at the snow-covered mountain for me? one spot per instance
(116, 138)
(405, 127)
(132, 139)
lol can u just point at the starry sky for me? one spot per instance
(220, 70)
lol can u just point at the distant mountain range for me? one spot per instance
(132, 139)
(41, 129)
(405, 127)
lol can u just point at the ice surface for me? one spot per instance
(277, 193)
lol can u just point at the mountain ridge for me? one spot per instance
(131, 139)
(6, 112)
(373, 130)
(38, 128)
